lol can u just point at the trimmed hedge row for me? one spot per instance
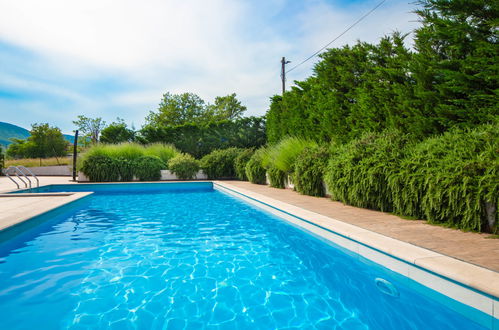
(101, 168)
(450, 179)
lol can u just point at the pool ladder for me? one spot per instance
(19, 172)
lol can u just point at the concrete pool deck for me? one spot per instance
(440, 243)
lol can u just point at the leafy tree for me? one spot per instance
(200, 139)
(117, 132)
(44, 141)
(188, 108)
(178, 109)
(226, 108)
(91, 127)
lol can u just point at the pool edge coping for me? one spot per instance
(469, 276)
(67, 198)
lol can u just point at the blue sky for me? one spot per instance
(104, 58)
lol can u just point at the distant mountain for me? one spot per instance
(9, 131)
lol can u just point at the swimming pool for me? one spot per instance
(184, 255)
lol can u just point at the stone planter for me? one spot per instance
(166, 175)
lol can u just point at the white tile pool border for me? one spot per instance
(431, 269)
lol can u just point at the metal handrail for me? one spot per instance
(7, 175)
(23, 174)
(31, 173)
(19, 169)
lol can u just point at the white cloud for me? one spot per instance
(210, 48)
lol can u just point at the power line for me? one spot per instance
(339, 36)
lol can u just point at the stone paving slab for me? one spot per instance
(474, 248)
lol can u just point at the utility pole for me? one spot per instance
(283, 73)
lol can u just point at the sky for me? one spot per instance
(102, 58)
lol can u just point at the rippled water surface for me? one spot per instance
(128, 259)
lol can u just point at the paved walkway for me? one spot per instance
(474, 248)
(470, 247)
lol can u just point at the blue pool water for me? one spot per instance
(185, 256)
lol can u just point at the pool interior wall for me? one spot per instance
(326, 264)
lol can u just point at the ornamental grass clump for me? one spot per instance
(164, 151)
(452, 179)
(220, 163)
(184, 166)
(279, 159)
(309, 169)
(357, 173)
(240, 163)
(254, 169)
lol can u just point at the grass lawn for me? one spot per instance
(33, 162)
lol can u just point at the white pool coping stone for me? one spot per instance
(17, 208)
(426, 267)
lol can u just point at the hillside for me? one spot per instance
(10, 131)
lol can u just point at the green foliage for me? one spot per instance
(277, 178)
(126, 169)
(456, 61)
(287, 150)
(201, 139)
(164, 151)
(220, 163)
(226, 108)
(44, 141)
(127, 160)
(117, 132)
(240, 163)
(254, 170)
(451, 179)
(184, 166)
(148, 168)
(358, 172)
(309, 169)
(188, 108)
(101, 168)
(450, 80)
(90, 127)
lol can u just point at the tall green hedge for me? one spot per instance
(450, 78)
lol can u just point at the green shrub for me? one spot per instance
(358, 172)
(309, 169)
(240, 163)
(126, 169)
(100, 168)
(277, 178)
(148, 168)
(164, 151)
(184, 166)
(254, 169)
(451, 179)
(220, 163)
